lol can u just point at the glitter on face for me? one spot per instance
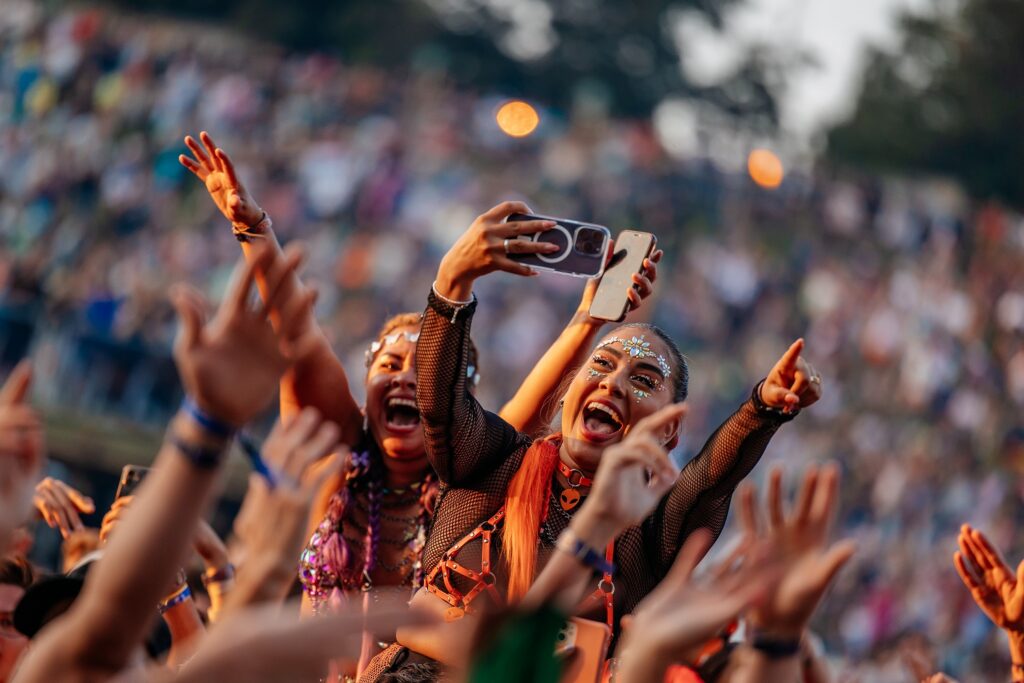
(641, 394)
(638, 347)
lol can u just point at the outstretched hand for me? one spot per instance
(213, 166)
(232, 364)
(998, 591)
(301, 454)
(678, 615)
(793, 383)
(61, 506)
(800, 544)
(22, 450)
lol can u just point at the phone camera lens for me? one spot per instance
(589, 241)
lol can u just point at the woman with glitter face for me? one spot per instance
(505, 499)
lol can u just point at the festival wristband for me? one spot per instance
(775, 648)
(252, 453)
(203, 457)
(206, 421)
(183, 594)
(569, 542)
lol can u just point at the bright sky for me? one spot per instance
(832, 31)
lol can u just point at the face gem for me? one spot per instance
(641, 394)
(594, 374)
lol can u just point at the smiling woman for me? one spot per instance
(503, 506)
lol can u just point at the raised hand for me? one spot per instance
(793, 383)
(799, 541)
(993, 585)
(485, 247)
(634, 474)
(273, 520)
(22, 450)
(678, 615)
(232, 364)
(60, 506)
(213, 166)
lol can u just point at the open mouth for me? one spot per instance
(401, 415)
(601, 421)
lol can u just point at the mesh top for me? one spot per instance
(475, 454)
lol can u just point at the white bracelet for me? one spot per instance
(457, 306)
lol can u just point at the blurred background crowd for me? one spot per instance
(909, 293)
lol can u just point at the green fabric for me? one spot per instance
(522, 651)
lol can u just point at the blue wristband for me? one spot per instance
(252, 452)
(203, 458)
(207, 421)
(179, 598)
(584, 553)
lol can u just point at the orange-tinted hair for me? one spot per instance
(526, 507)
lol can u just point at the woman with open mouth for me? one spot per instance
(370, 524)
(506, 498)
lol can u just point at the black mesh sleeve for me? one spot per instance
(463, 440)
(701, 495)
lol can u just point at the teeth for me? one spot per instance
(605, 409)
(408, 402)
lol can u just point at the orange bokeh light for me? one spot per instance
(517, 118)
(765, 168)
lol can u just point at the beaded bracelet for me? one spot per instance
(764, 408)
(206, 421)
(569, 542)
(244, 233)
(181, 596)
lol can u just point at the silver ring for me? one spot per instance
(816, 379)
(507, 252)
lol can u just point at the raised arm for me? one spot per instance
(318, 379)
(230, 368)
(532, 408)
(463, 439)
(702, 493)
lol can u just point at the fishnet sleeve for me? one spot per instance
(462, 439)
(704, 488)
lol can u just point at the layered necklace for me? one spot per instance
(329, 563)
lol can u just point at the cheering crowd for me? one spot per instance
(909, 298)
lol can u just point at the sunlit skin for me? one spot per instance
(611, 376)
(392, 375)
(12, 643)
